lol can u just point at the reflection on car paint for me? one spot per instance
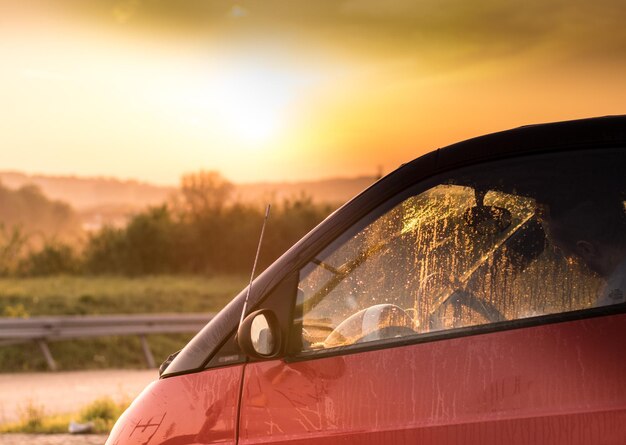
(467, 390)
(280, 397)
(199, 408)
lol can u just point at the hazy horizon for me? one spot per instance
(115, 198)
(122, 179)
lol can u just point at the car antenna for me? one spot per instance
(256, 259)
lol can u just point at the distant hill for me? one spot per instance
(27, 212)
(85, 193)
(100, 200)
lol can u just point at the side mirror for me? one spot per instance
(167, 362)
(259, 335)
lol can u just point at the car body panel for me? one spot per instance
(561, 383)
(196, 408)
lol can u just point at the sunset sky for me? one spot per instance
(271, 90)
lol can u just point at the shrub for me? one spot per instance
(102, 413)
(52, 259)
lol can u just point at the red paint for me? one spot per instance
(198, 408)
(556, 384)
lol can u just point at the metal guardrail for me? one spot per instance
(42, 330)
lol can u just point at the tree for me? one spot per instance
(204, 192)
(12, 244)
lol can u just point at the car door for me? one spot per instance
(454, 313)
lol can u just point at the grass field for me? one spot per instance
(67, 295)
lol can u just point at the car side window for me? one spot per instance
(479, 246)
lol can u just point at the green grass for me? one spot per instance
(102, 413)
(67, 295)
(70, 295)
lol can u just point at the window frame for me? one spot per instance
(294, 351)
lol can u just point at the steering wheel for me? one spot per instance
(373, 323)
(457, 300)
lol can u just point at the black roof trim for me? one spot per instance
(528, 139)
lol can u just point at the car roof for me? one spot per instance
(609, 131)
(599, 131)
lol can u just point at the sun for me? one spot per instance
(252, 103)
